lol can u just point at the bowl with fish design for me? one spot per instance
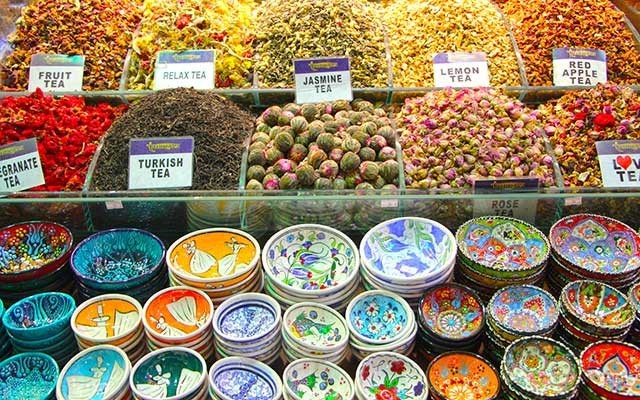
(315, 327)
(234, 378)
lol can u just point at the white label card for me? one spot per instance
(20, 166)
(161, 163)
(56, 72)
(619, 163)
(579, 67)
(191, 68)
(459, 69)
(322, 80)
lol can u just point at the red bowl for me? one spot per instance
(612, 369)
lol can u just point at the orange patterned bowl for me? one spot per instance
(461, 375)
(108, 319)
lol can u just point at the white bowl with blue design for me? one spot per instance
(408, 251)
(241, 378)
(309, 378)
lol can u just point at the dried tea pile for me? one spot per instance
(541, 25)
(323, 146)
(221, 25)
(218, 126)
(452, 137)
(419, 29)
(99, 29)
(579, 119)
(319, 28)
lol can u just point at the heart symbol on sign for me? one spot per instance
(624, 162)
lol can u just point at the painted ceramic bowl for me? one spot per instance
(311, 260)
(379, 317)
(240, 378)
(32, 250)
(316, 327)
(540, 366)
(246, 318)
(100, 372)
(308, 378)
(408, 250)
(523, 310)
(612, 369)
(634, 298)
(597, 307)
(177, 314)
(599, 246)
(452, 311)
(117, 258)
(28, 376)
(502, 246)
(383, 375)
(39, 316)
(461, 375)
(169, 373)
(110, 318)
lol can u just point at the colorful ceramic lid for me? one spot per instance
(612, 369)
(502, 243)
(523, 309)
(107, 318)
(461, 375)
(316, 326)
(379, 317)
(240, 378)
(246, 317)
(388, 375)
(595, 243)
(598, 305)
(309, 378)
(28, 376)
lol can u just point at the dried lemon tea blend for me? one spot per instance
(218, 126)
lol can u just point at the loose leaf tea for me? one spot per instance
(218, 126)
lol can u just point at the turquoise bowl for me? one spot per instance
(31, 376)
(64, 339)
(39, 316)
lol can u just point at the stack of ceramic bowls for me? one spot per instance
(586, 246)
(248, 325)
(221, 262)
(515, 312)
(634, 298)
(179, 316)
(126, 260)
(591, 311)
(5, 343)
(41, 323)
(390, 375)
(110, 319)
(28, 376)
(203, 214)
(100, 372)
(312, 211)
(309, 378)
(35, 256)
(407, 256)
(311, 263)
(610, 370)
(177, 373)
(243, 378)
(380, 320)
(450, 317)
(495, 252)
(311, 330)
(453, 373)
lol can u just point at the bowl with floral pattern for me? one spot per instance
(523, 310)
(540, 366)
(461, 375)
(612, 369)
(235, 378)
(452, 312)
(309, 378)
(634, 298)
(39, 316)
(596, 246)
(388, 375)
(408, 250)
(31, 250)
(28, 376)
(246, 318)
(316, 327)
(311, 260)
(379, 317)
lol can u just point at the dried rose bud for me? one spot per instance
(272, 184)
(387, 153)
(336, 155)
(389, 134)
(271, 115)
(329, 169)
(316, 157)
(369, 170)
(289, 181)
(285, 118)
(297, 153)
(350, 161)
(377, 142)
(283, 166)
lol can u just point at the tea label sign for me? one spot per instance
(579, 67)
(56, 72)
(506, 206)
(460, 69)
(20, 166)
(322, 79)
(190, 68)
(156, 163)
(619, 163)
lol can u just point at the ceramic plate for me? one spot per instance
(315, 379)
(316, 326)
(28, 376)
(452, 312)
(523, 309)
(378, 316)
(598, 304)
(388, 376)
(107, 318)
(240, 378)
(462, 376)
(596, 243)
(614, 367)
(246, 317)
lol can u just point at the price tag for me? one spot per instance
(520, 208)
(56, 72)
(190, 68)
(322, 79)
(20, 166)
(459, 69)
(156, 163)
(579, 67)
(619, 163)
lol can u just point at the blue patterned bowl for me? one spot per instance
(30, 376)
(408, 250)
(246, 318)
(379, 317)
(117, 259)
(523, 310)
(240, 378)
(39, 316)
(309, 378)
